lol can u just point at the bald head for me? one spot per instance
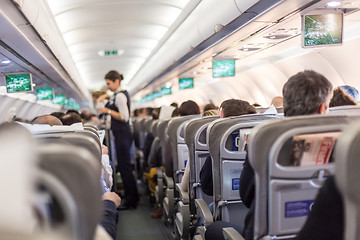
(277, 101)
(47, 119)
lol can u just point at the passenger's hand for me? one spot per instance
(104, 149)
(111, 196)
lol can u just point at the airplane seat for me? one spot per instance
(180, 156)
(68, 172)
(347, 178)
(195, 138)
(18, 168)
(77, 138)
(227, 138)
(142, 132)
(228, 154)
(162, 134)
(345, 110)
(286, 176)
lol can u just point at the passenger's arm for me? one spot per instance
(110, 215)
(247, 183)
(206, 178)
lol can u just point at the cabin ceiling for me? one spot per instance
(128, 32)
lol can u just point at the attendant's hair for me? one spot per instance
(305, 92)
(113, 75)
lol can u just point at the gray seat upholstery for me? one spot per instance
(180, 152)
(284, 193)
(78, 138)
(347, 178)
(227, 164)
(71, 175)
(345, 110)
(162, 134)
(180, 155)
(195, 138)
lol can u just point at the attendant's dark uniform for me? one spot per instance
(123, 138)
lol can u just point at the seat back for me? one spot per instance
(195, 138)
(227, 163)
(71, 175)
(142, 131)
(163, 135)
(78, 138)
(345, 110)
(285, 191)
(180, 151)
(17, 172)
(347, 178)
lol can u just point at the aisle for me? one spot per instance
(138, 225)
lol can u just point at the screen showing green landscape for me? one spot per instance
(18, 83)
(186, 83)
(59, 99)
(224, 68)
(44, 94)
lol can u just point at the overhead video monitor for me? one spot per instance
(165, 91)
(59, 99)
(21, 82)
(322, 29)
(186, 83)
(224, 68)
(44, 94)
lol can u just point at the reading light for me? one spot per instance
(333, 4)
(6, 62)
(245, 49)
(272, 37)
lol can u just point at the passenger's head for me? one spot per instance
(277, 101)
(85, 116)
(70, 118)
(47, 119)
(189, 108)
(57, 114)
(353, 92)
(306, 92)
(113, 79)
(210, 106)
(210, 112)
(341, 98)
(235, 107)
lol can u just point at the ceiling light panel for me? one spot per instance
(136, 27)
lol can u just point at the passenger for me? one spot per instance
(119, 109)
(47, 119)
(110, 216)
(277, 102)
(85, 116)
(176, 110)
(57, 114)
(353, 92)
(186, 108)
(305, 93)
(211, 112)
(341, 98)
(210, 106)
(229, 108)
(70, 118)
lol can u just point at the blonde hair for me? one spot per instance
(211, 112)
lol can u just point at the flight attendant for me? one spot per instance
(118, 108)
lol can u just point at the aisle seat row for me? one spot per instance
(286, 189)
(65, 192)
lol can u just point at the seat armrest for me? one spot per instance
(231, 234)
(169, 182)
(184, 196)
(203, 211)
(159, 172)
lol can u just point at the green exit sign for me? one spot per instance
(115, 52)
